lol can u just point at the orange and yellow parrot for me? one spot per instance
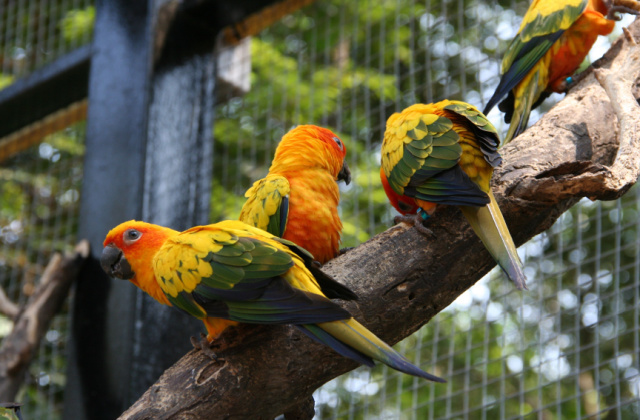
(444, 153)
(298, 199)
(230, 272)
(554, 38)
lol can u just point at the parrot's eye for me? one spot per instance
(338, 142)
(131, 235)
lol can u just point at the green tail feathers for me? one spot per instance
(525, 99)
(490, 226)
(359, 339)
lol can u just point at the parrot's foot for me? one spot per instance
(417, 221)
(572, 81)
(631, 7)
(345, 250)
(205, 346)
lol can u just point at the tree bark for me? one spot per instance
(32, 321)
(403, 279)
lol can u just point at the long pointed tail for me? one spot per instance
(490, 226)
(351, 339)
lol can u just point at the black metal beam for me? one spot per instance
(65, 80)
(149, 156)
(45, 91)
(100, 354)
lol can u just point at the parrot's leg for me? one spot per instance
(572, 81)
(204, 345)
(215, 327)
(417, 221)
(623, 6)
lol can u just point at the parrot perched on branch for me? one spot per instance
(230, 272)
(444, 153)
(298, 199)
(553, 40)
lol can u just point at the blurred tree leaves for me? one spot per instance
(77, 24)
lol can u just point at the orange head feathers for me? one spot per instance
(128, 249)
(298, 199)
(299, 149)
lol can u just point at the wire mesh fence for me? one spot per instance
(566, 349)
(35, 32)
(40, 178)
(39, 192)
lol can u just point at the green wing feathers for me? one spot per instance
(489, 225)
(546, 17)
(542, 26)
(224, 273)
(485, 133)
(428, 146)
(541, 20)
(207, 262)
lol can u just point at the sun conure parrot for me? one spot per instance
(554, 38)
(230, 272)
(444, 153)
(298, 199)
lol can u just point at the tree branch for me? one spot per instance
(7, 307)
(590, 178)
(32, 321)
(402, 278)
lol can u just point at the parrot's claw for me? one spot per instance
(424, 230)
(417, 221)
(203, 345)
(631, 7)
(613, 12)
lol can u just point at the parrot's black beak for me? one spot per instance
(344, 174)
(115, 264)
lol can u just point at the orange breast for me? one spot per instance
(313, 221)
(574, 45)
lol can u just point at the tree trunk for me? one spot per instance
(403, 279)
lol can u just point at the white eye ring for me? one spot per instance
(338, 142)
(131, 235)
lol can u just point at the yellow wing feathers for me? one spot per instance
(264, 205)
(186, 259)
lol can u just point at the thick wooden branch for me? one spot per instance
(404, 279)
(32, 321)
(591, 178)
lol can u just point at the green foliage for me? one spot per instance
(33, 35)
(5, 80)
(77, 24)
(39, 200)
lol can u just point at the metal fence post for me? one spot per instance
(148, 157)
